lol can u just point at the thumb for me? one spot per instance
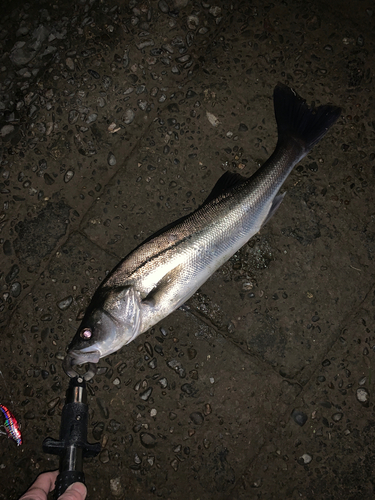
(76, 491)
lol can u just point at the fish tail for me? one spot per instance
(296, 120)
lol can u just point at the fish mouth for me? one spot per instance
(73, 359)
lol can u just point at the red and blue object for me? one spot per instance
(11, 425)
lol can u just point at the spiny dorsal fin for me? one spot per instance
(227, 181)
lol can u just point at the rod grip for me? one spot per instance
(65, 479)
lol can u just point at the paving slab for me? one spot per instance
(180, 411)
(331, 455)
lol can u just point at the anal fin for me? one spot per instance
(275, 205)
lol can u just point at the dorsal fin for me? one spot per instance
(227, 181)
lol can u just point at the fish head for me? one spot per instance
(111, 321)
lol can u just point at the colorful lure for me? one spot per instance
(11, 425)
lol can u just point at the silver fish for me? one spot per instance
(164, 271)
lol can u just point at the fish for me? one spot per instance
(164, 271)
(11, 425)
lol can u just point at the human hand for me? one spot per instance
(46, 483)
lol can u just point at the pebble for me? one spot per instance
(336, 417)
(207, 409)
(147, 440)
(104, 457)
(65, 303)
(69, 63)
(197, 418)
(212, 119)
(146, 394)
(192, 353)
(13, 273)
(73, 116)
(163, 6)
(188, 389)
(121, 368)
(15, 289)
(163, 383)
(113, 426)
(174, 464)
(53, 403)
(91, 118)
(97, 431)
(128, 116)
(6, 130)
(299, 417)
(111, 159)
(176, 365)
(68, 176)
(148, 349)
(116, 487)
(363, 396)
(153, 363)
(305, 459)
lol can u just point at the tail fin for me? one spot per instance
(307, 125)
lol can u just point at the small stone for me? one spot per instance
(299, 417)
(6, 130)
(104, 457)
(197, 418)
(113, 426)
(129, 116)
(91, 118)
(68, 176)
(53, 403)
(148, 349)
(65, 303)
(69, 63)
(305, 459)
(188, 389)
(98, 431)
(13, 273)
(116, 381)
(73, 116)
(336, 417)
(146, 394)
(174, 464)
(163, 6)
(177, 367)
(153, 363)
(207, 409)
(243, 128)
(147, 440)
(111, 160)
(121, 368)
(192, 353)
(363, 396)
(153, 412)
(15, 289)
(115, 487)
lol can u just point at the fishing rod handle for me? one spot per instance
(65, 479)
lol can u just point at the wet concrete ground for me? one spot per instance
(118, 118)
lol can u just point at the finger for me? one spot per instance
(41, 487)
(76, 491)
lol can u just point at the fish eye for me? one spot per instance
(86, 334)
